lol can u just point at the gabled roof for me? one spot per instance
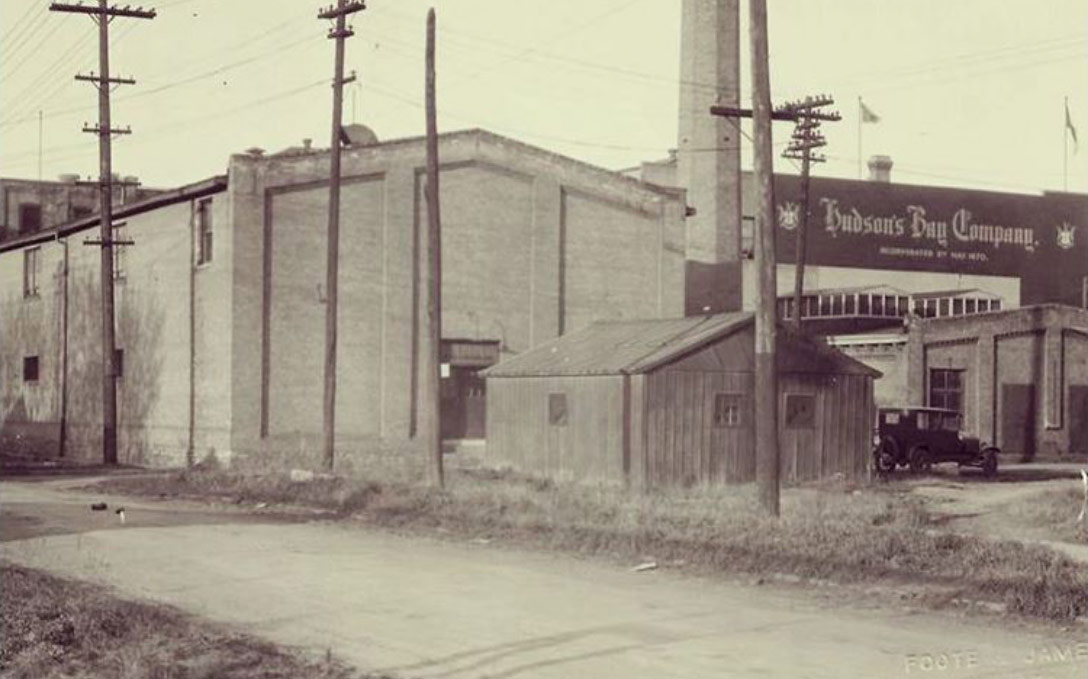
(639, 346)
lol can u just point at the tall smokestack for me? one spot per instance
(708, 153)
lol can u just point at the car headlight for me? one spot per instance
(876, 439)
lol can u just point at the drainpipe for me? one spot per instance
(190, 452)
(63, 352)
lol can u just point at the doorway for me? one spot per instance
(464, 396)
(1018, 420)
(1078, 419)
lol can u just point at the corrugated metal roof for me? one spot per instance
(630, 347)
(617, 347)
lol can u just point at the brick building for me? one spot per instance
(28, 206)
(1020, 377)
(220, 300)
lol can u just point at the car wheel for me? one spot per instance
(919, 460)
(886, 455)
(989, 462)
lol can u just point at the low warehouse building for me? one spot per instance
(669, 402)
(1019, 377)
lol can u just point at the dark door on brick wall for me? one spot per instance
(463, 404)
(1078, 419)
(1018, 420)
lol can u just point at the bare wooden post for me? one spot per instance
(431, 387)
(766, 378)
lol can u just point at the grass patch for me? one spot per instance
(54, 627)
(833, 532)
(1054, 512)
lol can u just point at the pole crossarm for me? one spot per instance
(106, 243)
(99, 12)
(333, 12)
(106, 131)
(101, 80)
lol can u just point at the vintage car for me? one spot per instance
(920, 437)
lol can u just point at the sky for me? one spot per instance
(969, 92)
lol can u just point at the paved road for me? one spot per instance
(426, 608)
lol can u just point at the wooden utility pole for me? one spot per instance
(766, 377)
(432, 371)
(103, 14)
(340, 32)
(806, 137)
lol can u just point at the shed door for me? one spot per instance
(1078, 419)
(1018, 419)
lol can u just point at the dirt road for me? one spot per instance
(427, 608)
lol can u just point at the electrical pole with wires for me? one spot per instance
(766, 312)
(806, 138)
(102, 14)
(340, 32)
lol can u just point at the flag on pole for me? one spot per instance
(1069, 126)
(867, 115)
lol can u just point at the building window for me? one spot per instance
(800, 411)
(863, 305)
(825, 305)
(204, 231)
(877, 308)
(943, 306)
(972, 305)
(30, 217)
(727, 410)
(810, 306)
(118, 253)
(946, 389)
(904, 305)
(836, 305)
(851, 304)
(30, 368)
(31, 266)
(118, 362)
(957, 307)
(557, 410)
(995, 305)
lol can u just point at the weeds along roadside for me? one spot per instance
(835, 533)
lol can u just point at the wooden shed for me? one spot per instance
(669, 402)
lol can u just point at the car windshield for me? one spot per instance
(951, 422)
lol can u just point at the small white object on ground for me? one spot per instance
(648, 566)
(301, 475)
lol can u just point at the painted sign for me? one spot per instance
(1039, 238)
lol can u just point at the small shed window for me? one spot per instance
(30, 368)
(727, 410)
(800, 411)
(557, 410)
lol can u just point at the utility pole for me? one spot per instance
(340, 32)
(103, 14)
(806, 137)
(432, 373)
(766, 374)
